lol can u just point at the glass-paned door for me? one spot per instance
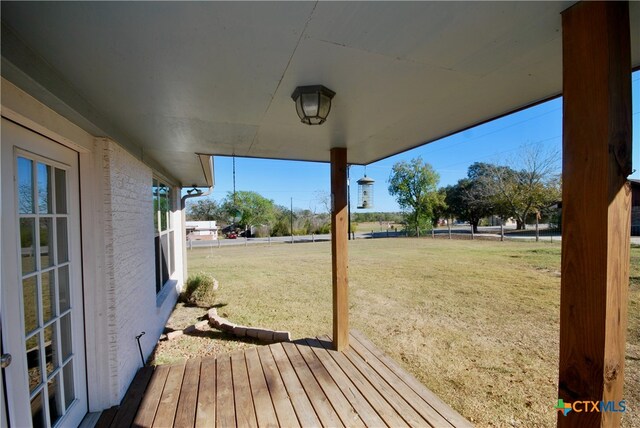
(42, 290)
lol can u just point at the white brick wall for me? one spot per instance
(118, 254)
(132, 304)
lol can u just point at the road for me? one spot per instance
(493, 232)
(298, 239)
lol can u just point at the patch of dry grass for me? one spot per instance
(475, 321)
(197, 343)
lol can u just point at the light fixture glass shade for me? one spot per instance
(313, 103)
(310, 105)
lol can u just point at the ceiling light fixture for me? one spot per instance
(313, 103)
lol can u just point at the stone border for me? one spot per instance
(189, 329)
(263, 334)
(225, 325)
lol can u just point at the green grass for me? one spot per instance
(475, 321)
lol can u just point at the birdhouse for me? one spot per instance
(365, 193)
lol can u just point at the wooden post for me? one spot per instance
(449, 224)
(339, 256)
(596, 208)
(537, 226)
(501, 230)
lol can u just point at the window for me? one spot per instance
(164, 236)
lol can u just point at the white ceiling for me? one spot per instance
(172, 79)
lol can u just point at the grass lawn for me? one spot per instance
(475, 321)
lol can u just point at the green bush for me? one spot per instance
(323, 229)
(199, 290)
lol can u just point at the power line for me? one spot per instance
(490, 133)
(502, 152)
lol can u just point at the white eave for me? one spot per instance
(173, 80)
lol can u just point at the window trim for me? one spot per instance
(162, 278)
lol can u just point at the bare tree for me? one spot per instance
(324, 199)
(532, 187)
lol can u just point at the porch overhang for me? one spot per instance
(175, 82)
(172, 79)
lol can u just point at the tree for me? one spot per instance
(472, 198)
(414, 184)
(253, 208)
(205, 210)
(519, 193)
(440, 208)
(324, 199)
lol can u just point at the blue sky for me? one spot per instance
(496, 141)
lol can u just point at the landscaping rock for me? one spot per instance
(281, 336)
(211, 313)
(227, 326)
(174, 334)
(240, 331)
(265, 335)
(216, 321)
(201, 324)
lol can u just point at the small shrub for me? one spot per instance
(324, 229)
(199, 290)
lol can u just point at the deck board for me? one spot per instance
(373, 396)
(301, 404)
(225, 407)
(149, 406)
(245, 412)
(393, 398)
(337, 398)
(107, 416)
(186, 411)
(265, 413)
(132, 398)
(428, 396)
(319, 401)
(169, 401)
(362, 407)
(279, 397)
(206, 406)
(303, 383)
(413, 399)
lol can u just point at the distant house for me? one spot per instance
(495, 220)
(635, 207)
(201, 230)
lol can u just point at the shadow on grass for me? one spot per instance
(201, 306)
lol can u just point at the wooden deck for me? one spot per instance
(303, 383)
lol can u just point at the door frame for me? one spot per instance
(42, 149)
(22, 109)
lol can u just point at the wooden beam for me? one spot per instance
(596, 208)
(339, 255)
